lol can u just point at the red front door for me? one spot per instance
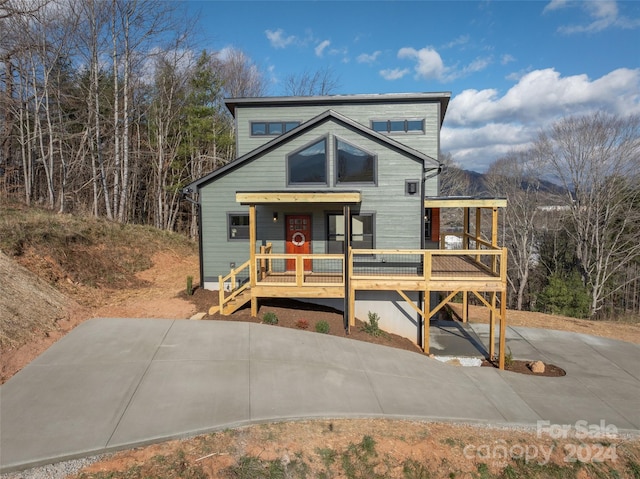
(298, 239)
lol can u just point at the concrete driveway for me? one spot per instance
(116, 383)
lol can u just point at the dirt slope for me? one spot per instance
(28, 305)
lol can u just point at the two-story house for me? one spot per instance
(326, 202)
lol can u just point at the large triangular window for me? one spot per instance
(308, 165)
(353, 164)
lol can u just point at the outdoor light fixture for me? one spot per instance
(275, 216)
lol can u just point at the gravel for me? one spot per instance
(59, 470)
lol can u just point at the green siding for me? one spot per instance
(398, 217)
(362, 113)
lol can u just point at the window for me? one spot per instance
(361, 232)
(353, 164)
(238, 226)
(272, 128)
(398, 126)
(308, 165)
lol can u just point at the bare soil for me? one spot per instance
(446, 450)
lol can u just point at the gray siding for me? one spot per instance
(426, 143)
(397, 220)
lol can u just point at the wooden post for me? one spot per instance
(478, 232)
(426, 311)
(465, 229)
(221, 294)
(347, 270)
(252, 257)
(299, 270)
(492, 324)
(503, 327)
(494, 237)
(465, 306)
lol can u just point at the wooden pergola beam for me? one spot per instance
(465, 202)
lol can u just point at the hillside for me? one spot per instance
(59, 270)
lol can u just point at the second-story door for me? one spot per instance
(298, 239)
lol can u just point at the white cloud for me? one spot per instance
(482, 125)
(555, 5)
(429, 64)
(278, 39)
(603, 13)
(461, 40)
(543, 93)
(368, 58)
(393, 74)
(321, 47)
(506, 58)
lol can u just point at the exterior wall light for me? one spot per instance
(275, 216)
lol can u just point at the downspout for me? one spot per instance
(423, 195)
(185, 194)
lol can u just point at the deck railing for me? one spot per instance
(300, 270)
(428, 265)
(238, 280)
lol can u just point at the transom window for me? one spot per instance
(237, 226)
(398, 126)
(272, 128)
(308, 165)
(353, 164)
(362, 226)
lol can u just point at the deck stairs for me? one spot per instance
(233, 304)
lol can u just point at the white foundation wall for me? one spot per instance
(396, 315)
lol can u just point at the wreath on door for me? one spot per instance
(298, 239)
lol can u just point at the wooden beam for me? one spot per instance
(264, 197)
(503, 327)
(463, 202)
(252, 257)
(425, 323)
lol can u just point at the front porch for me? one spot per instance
(479, 268)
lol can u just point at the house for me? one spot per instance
(326, 202)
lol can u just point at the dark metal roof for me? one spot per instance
(329, 100)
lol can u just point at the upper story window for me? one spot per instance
(308, 165)
(353, 164)
(272, 128)
(413, 125)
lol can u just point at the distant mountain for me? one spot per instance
(459, 182)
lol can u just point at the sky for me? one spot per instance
(513, 68)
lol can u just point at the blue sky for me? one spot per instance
(512, 67)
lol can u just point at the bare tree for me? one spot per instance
(516, 176)
(597, 160)
(241, 77)
(318, 83)
(454, 181)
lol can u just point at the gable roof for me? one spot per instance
(304, 127)
(331, 100)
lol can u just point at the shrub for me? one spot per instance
(371, 327)
(189, 285)
(566, 295)
(322, 327)
(508, 358)
(302, 324)
(270, 318)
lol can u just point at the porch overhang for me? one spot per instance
(464, 202)
(274, 197)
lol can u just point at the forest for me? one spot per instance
(105, 110)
